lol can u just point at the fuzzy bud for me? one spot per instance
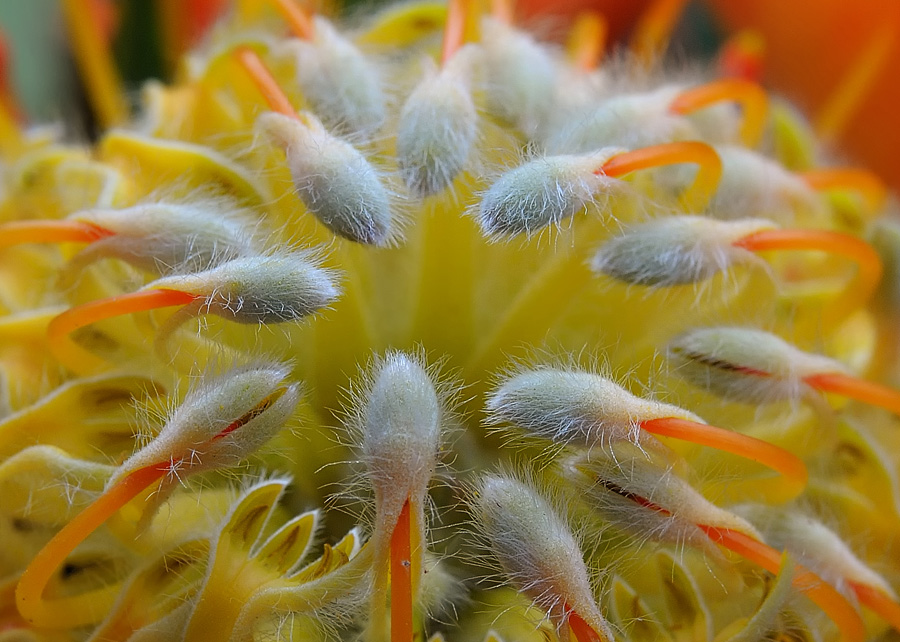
(543, 192)
(437, 128)
(576, 407)
(333, 179)
(676, 250)
(745, 364)
(536, 549)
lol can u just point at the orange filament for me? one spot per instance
(67, 231)
(866, 184)
(869, 266)
(850, 93)
(750, 96)
(583, 631)
(264, 81)
(787, 464)
(80, 360)
(587, 40)
(401, 579)
(503, 11)
(460, 27)
(864, 391)
(696, 197)
(879, 601)
(652, 32)
(818, 590)
(299, 21)
(92, 53)
(30, 590)
(743, 56)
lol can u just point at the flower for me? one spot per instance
(426, 328)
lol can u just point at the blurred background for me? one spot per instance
(809, 50)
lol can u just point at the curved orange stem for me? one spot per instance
(787, 464)
(750, 96)
(879, 601)
(869, 266)
(77, 358)
(65, 231)
(30, 590)
(264, 81)
(697, 196)
(401, 579)
(297, 18)
(583, 631)
(818, 590)
(865, 183)
(652, 32)
(587, 40)
(859, 389)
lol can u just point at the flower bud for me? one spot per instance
(744, 364)
(677, 250)
(576, 407)
(543, 192)
(437, 128)
(333, 179)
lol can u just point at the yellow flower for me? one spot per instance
(426, 329)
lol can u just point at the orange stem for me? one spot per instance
(697, 196)
(652, 32)
(866, 184)
(297, 18)
(864, 391)
(879, 601)
(743, 56)
(583, 631)
(264, 81)
(787, 464)
(66, 231)
(401, 579)
(750, 96)
(30, 590)
(869, 266)
(77, 358)
(587, 40)
(503, 11)
(459, 14)
(818, 590)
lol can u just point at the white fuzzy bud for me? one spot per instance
(258, 289)
(536, 549)
(338, 81)
(520, 75)
(334, 180)
(543, 192)
(677, 250)
(221, 421)
(401, 433)
(576, 407)
(161, 236)
(437, 128)
(745, 364)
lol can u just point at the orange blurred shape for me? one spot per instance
(620, 15)
(812, 46)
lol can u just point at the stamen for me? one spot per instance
(750, 96)
(743, 56)
(30, 590)
(879, 601)
(587, 40)
(264, 81)
(583, 631)
(869, 266)
(695, 197)
(92, 52)
(847, 98)
(401, 579)
(654, 28)
(63, 231)
(461, 27)
(503, 11)
(79, 360)
(778, 459)
(858, 389)
(869, 187)
(297, 18)
(818, 590)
